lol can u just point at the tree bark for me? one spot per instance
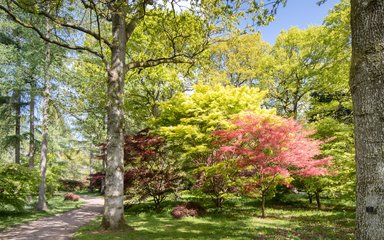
(310, 197)
(41, 204)
(318, 202)
(367, 88)
(17, 126)
(263, 197)
(31, 152)
(113, 217)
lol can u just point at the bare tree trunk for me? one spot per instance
(263, 197)
(31, 152)
(367, 88)
(113, 217)
(17, 125)
(317, 195)
(310, 197)
(41, 204)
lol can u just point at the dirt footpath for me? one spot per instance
(59, 227)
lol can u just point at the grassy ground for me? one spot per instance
(239, 219)
(10, 217)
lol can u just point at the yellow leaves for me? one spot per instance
(188, 120)
(238, 60)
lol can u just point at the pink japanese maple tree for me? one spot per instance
(268, 151)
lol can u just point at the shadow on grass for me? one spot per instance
(236, 220)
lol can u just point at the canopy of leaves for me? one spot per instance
(338, 143)
(269, 150)
(151, 170)
(188, 119)
(239, 60)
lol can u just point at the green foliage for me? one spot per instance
(330, 110)
(145, 92)
(17, 184)
(239, 60)
(188, 119)
(184, 34)
(218, 181)
(300, 58)
(339, 144)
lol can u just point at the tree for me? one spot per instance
(239, 60)
(146, 91)
(367, 88)
(337, 140)
(41, 204)
(151, 170)
(218, 179)
(330, 111)
(296, 69)
(268, 151)
(188, 120)
(122, 19)
(13, 86)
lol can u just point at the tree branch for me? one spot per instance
(66, 23)
(155, 62)
(47, 39)
(132, 24)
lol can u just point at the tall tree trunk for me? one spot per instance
(41, 204)
(17, 125)
(31, 152)
(113, 217)
(367, 88)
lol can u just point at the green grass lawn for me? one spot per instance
(10, 217)
(239, 219)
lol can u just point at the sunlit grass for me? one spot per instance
(239, 219)
(10, 217)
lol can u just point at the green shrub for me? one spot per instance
(17, 183)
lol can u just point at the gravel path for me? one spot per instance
(59, 227)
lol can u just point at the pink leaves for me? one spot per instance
(271, 146)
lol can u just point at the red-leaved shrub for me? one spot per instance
(71, 197)
(192, 209)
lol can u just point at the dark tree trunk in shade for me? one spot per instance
(317, 195)
(310, 196)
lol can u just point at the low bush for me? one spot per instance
(191, 209)
(71, 197)
(71, 185)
